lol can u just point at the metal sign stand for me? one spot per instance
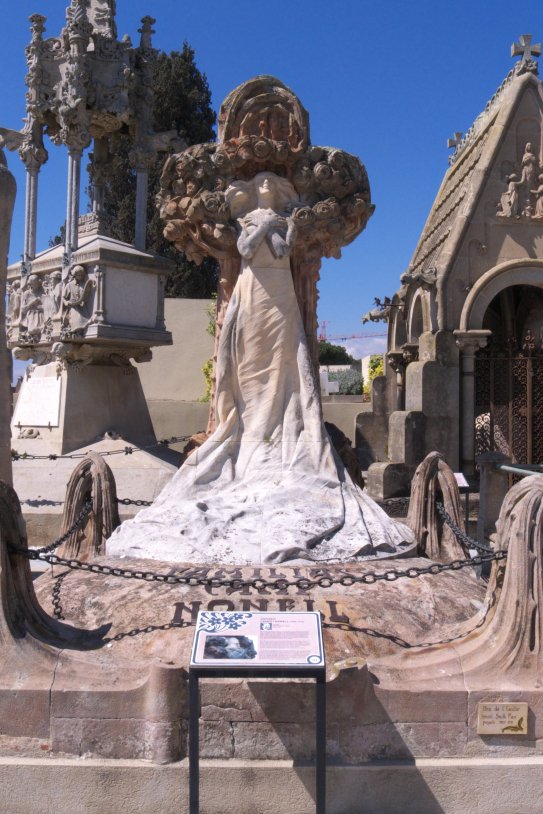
(318, 673)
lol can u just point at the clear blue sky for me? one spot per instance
(389, 81)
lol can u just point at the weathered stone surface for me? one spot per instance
(7, 201)
(355, 625)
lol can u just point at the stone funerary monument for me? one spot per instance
(464, 365)
(81, 310)
(433, 675)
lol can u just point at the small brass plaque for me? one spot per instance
(501, 718)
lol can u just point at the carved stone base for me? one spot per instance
(78, 405)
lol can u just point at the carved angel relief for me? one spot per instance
(42, 307)
(524, 194)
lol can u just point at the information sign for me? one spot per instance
(501, 718)
(461, 481)
(226, 639)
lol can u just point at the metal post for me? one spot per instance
(194, 743)
(320, 762)
(320, 727)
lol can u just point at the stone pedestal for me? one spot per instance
(429, 421)
(372, 427)
(81, 326)
(76, 406)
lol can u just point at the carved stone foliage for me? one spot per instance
(85, 83)
(263, 127)
(334, 203)
(523, 196)
(267, 132)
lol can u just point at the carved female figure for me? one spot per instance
(509, 202)
(530, 166)
(14, 302)
(76, 299)
(539, 199)
(32, 308)
(266, 487)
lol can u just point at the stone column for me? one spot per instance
(31, 212)
(7, 201)
(72, 206)
(34, 155)
(397, 362)
(469, 342)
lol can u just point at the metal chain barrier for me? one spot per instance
(460, 535)
(126, 501)
(165, 442)
(40, 553)
(259, 584)
(56, 600)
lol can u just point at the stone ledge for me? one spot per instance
(425, 786)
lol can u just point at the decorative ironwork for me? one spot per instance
(509, 400)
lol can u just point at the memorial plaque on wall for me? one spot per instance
(229, 639)
(502, 718)
(38, 404)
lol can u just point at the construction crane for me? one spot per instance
(324, 338)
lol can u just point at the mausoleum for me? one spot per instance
(464, 364)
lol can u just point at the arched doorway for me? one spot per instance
(509, 376)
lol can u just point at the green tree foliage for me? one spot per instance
(334, 354)
(376, 368)
(350, 381)
(183, 103)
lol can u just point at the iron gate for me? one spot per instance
(509, 402)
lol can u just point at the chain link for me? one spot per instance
(126, 501)
(57, 603)
(164, 442)
(39, 553)
(468, 541)
(259, 584)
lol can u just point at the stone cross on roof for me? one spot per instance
(455, 141)
(525, 48)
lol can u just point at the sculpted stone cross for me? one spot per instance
(525, 48)
(455, 141)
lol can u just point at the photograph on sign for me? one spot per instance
(228, 639)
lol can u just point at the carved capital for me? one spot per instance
(410, 352)
(469, 342)
(397, 361)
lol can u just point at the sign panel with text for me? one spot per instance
(236, 639)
